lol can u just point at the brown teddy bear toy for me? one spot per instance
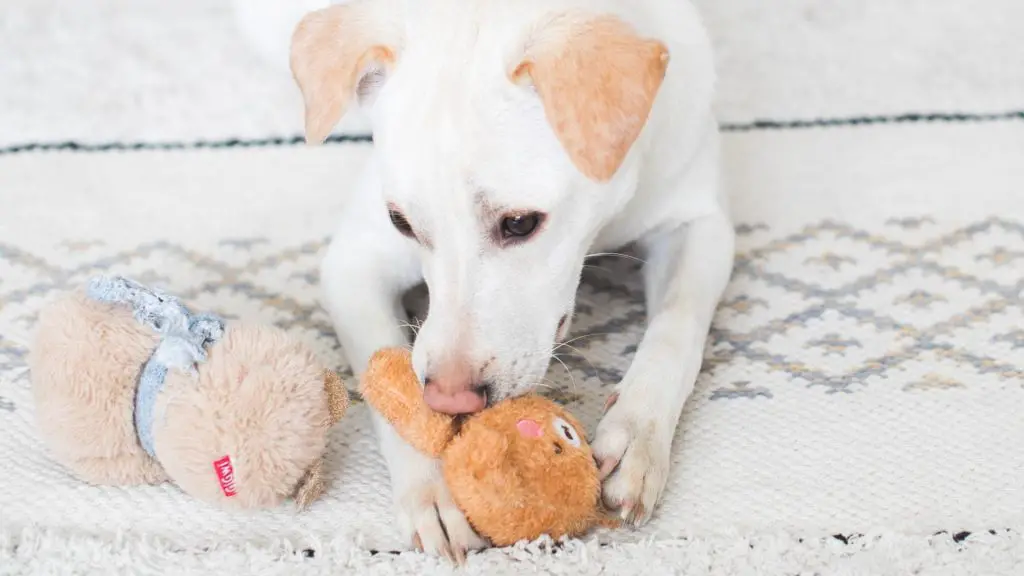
(235, 414)
(518, 470)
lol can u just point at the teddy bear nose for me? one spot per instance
(452, 389)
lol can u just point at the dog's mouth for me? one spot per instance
(461, 402)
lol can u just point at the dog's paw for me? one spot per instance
(430, 520)
(633, 452)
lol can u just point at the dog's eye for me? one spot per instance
(520, 226)
(567, 432)
(400, 223)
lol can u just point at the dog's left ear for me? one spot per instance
(597, 80)
(335, 53)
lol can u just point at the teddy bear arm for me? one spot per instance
(427, 431)
(391, 387)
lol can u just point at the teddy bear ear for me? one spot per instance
(311, 486)
(337, 395)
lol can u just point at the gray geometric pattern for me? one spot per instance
(822, 334)
(844, 286)
(918, 273)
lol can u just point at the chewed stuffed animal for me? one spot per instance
(131, 387)
(517, 470)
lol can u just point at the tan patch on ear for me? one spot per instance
(331, 48)
(337, 396)
(597, 80)
(311, 486)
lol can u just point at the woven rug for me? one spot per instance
(865, 375)
(127, 70)
(859, 409)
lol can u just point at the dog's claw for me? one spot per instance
(634, 461)
(432, 522)
(612, 399)
(625, 511)
(448, 554)
(634, 514)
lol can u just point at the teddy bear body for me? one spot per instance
(244, 426)
(517, 470)
(520, 470)
(84, 369)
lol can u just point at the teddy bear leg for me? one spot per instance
(119, 470)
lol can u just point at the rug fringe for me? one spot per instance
(48, 551)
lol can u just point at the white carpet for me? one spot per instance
(880, 554)
(865, 375)
(157, 70)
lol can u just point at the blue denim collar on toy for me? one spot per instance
(182, 342)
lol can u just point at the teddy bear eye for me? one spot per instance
(567, 432)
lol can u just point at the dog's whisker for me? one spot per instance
(619, 254)
(543, 384)
(570, 347)
(586, 359)
(582, 336)
(572, 379)
(415, 328)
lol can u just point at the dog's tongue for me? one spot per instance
(464, 402)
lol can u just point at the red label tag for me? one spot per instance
(225, 475)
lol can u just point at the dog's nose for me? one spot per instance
(453, 389)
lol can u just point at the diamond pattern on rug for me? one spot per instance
(911, 307)
(864, 303)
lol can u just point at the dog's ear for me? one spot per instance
(597, 80)
(335, 53)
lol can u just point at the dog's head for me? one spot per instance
(503, 147)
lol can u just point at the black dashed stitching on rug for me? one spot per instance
(755, 126)
(910, 118)
(72, 146)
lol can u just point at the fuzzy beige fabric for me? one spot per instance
(262, 399)
(85, 362)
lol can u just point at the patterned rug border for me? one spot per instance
(753, 126)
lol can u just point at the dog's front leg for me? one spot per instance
(685, 274)
(367, 268)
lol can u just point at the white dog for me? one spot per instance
(512, 139)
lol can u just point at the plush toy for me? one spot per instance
(517, 470)
(131, 388)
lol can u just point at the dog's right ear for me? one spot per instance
(332, 51)
(597, 79)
